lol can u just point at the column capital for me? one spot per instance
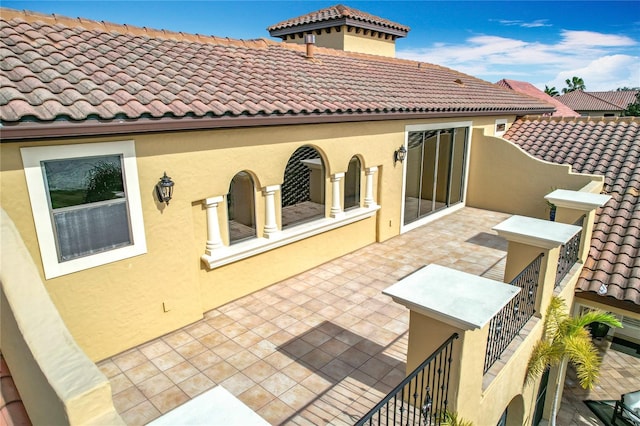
(337, 176)
(371, 170)
(270, 189)
(213, 200)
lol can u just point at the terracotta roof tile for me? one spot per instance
(125, 72)
(529, 89)
(336, 13)
(603, 146)
(598, 101)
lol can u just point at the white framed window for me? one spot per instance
(86, 204)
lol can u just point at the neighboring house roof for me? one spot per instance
(598, 101)
(529, 89)
(609, 147)
(336, 16)
(64, 71)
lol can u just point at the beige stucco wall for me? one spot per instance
(113, 307)
(502, 177)
(58, 384)
(350, 40)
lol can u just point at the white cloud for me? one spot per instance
(533, 24)
(603, 61)
(605, 73)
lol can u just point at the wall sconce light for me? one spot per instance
(400, 154)
(164, 189)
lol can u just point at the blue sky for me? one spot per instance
(543, 43)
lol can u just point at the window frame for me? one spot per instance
(32, 158)
(465, 175)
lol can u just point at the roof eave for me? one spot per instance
(65, 129)
(312, 26)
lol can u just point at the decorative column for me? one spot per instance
(573, 205)
(368, 197)
(270, 223)
(336, 207)
(214, 241)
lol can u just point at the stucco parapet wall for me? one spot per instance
(462, 300)
(58, 383)
(577, 200)
(536, 232)
(229, 254)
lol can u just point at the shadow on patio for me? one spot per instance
(321, 347)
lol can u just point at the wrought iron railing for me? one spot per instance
(569, 254)
(421, 398)
(507, 323)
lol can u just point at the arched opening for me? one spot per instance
(352, 184)
(241, 208)
(303, 187)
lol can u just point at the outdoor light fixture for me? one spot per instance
(400, 154)
(164, 189)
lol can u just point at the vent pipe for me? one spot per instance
(310, 41)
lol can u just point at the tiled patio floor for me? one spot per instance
(320, 348)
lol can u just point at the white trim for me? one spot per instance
(31, 160)
(229, 254)
(500, 121)
(430, 218)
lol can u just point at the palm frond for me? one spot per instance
(581, 352)
(543, 355)
(555, 318)
(595, 316)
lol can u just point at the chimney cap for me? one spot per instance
(309, 39)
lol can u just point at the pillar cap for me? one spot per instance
(577, 200)
(457, 298)
(536, 232)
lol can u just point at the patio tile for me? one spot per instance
(278, 383)
(119, 383)
(196, 384)
(204, 360)
(141, 414)
(155, 349)
(127, 399)
(129, 359)
(142, 372)
(276, 412)
(318, 348)
(238, 383)
(220, 371)
(191, 349)
(178, 338)
(256, 397)
(167, 360)
(169, 399)
(298, 397)
(242, 360)
(154, 385)
(181, 372)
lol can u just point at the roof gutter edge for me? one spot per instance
(55, 130)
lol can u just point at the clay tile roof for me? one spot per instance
(337, 15)
(598, 101)
(108, 72)
(609, 147)
(529, 89)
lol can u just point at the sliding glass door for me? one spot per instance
(435, 173)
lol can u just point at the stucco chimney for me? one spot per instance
(310, 41)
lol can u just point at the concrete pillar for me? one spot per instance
(214, 240)
(270, 223)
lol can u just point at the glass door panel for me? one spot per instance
(434, 176)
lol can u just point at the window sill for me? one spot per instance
(229, 254)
